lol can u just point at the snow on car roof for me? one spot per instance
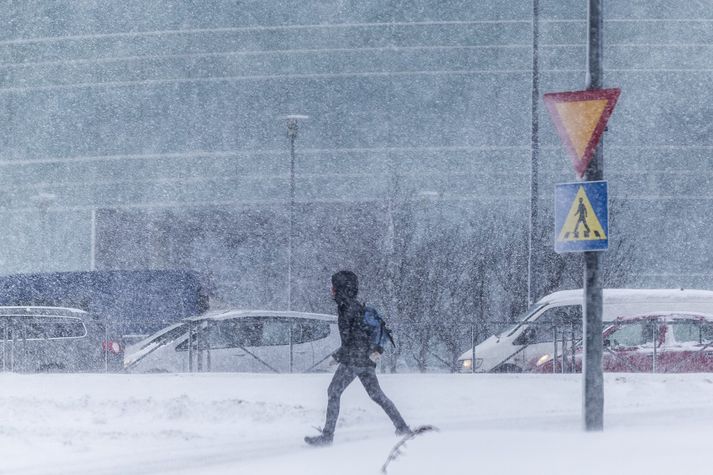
(236, 313)
(667, 316)
(20, 310)
(146, 346)
(631, 295)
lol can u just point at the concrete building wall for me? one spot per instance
(157, 113)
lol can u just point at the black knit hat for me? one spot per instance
(345, 283)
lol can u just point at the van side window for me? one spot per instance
(305, 331)
(275, 331)
(234, 333)
(64, 327)
(256, 331)
(241, 332)
(43, 328)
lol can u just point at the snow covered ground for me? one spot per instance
(254, 424)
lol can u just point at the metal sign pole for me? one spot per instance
(190, 346)
(593, 389)
(4, 340)
(292, 347)
(554, 349)
(292, 135)
(532, 291)
(655, 336)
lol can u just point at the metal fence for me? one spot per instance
(669, 344)
(662, 344)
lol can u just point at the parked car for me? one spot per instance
(676, 342)
(36, 339)
(132, 303)
(533, 335)
(239, 340)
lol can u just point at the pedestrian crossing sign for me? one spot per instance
(581, 217)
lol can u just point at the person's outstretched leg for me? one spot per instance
(341, 379)
(368, 378)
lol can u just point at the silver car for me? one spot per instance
(36, 339)
(241, 341)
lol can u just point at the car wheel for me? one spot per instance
(508, 368)
(50, 368)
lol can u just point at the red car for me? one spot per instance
(667, 342)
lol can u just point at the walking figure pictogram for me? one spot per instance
(581, 204)
(582, 219)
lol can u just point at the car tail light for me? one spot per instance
(111, 346)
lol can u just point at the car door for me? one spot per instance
(302, 348)
(629, 346)
(288, 344)
(15, 344)
(228, 343)
(272, 352)
(315, 342)
(6, 344)
(563, 323)
(690, 347)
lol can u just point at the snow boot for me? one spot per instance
(319, 440)
(405, 430)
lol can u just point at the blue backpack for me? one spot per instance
(379, 333)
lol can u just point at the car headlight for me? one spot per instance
(544, 359)
(467, 365)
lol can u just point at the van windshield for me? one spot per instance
(523, 318)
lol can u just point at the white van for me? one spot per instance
(513, 349)
(239, 341)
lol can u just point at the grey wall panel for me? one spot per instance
(142, 109)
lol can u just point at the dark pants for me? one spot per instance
(342, 378)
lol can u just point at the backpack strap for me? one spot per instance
(388, 333)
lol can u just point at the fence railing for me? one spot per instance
(640, 345)
(662, 344)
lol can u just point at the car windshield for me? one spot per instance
(522, 319)
(165, 337)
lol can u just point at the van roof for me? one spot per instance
(630, 296)
(24, 310)
(236, 313)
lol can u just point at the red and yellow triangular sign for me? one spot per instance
(580, 118)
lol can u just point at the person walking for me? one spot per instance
(357, 358)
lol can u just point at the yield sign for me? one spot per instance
(580, 118)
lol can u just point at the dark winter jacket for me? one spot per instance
(356, 346)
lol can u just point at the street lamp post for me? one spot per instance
(292, 129)
(43, 201)
(533, 242)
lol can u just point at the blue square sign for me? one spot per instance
(581, 216)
